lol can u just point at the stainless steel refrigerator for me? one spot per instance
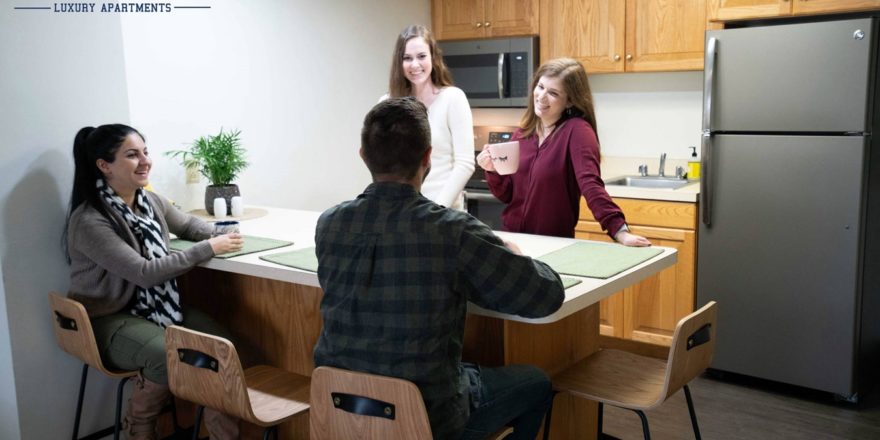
(788, 238)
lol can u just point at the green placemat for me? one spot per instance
(597, 260)
(568, 282)
(304, 259)
(251, 244)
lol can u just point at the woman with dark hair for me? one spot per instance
(417, 70)
(558, 161)
(122, 271)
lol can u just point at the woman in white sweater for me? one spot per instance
(417, 70)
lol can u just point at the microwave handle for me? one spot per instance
(500, 75)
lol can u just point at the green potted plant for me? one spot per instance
(220, 158)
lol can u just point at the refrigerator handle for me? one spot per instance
(706, 143)
(708, 82)
(501, 75)
(705, 179)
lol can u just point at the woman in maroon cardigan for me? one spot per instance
(559, 161)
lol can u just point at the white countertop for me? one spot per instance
(299, 227)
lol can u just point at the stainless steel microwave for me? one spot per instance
(492, 73)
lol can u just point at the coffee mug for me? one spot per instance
(505, 157)
(225, 227)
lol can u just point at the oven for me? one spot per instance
(480, 201)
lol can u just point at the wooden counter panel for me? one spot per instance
(681, 215)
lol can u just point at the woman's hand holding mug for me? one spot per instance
(484, 159)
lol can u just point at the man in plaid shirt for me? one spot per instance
(397, 272)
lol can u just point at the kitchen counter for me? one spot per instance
(617, 167)
(299, 227)
(273, 312)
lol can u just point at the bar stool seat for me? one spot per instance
(640, 383)
(74, 334)
(206, 370)
(353, 405)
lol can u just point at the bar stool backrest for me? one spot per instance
(693, 344)
(205, 369)
(74, 334)
(353, 405)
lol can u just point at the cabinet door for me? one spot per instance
(826, 6)
(665, 35)
(590, 31)
(741, 9)
(506, 18)
(457, 19)
(653, 307)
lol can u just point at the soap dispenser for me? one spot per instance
(694, 165)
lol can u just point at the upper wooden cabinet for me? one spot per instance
(723, 10)
(625, 36)
(461, 19)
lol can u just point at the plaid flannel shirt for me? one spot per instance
(397, 272)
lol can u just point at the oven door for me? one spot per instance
(485, 207)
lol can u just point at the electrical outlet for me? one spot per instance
(192, 175)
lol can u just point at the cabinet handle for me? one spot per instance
(488, 24)
(629, 57)
(479, 24)
(616, 57)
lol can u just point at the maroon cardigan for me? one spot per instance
(543, 195)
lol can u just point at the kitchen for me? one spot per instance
(298, 100)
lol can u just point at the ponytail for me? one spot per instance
(89, 145)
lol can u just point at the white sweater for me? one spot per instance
(452, 140)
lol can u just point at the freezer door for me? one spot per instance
(781, 257)
(810, 77)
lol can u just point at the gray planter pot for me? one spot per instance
(225, 191)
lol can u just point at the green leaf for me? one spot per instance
(220, 158)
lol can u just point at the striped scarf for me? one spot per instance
(159, 303)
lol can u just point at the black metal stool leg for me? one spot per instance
(117, 420)
(690, 401)
(198, 422)
(599, 422)
(79, 400)
(270, 432)
(173, 408)
(644, 424)
(547, 417)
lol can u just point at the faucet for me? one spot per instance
(662, 165)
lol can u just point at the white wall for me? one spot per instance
(640, 115)
(296, 77)
(57, 74)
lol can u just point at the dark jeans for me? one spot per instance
(515, 395)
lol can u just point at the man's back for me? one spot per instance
(397, 271)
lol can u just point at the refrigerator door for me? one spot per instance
(810, 77)
(781, 257)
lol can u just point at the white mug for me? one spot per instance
(219, 207)
(237, 206)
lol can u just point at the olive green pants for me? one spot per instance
(129, 342)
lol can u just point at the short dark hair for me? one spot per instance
(395, 137)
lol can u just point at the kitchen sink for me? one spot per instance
(648, 182)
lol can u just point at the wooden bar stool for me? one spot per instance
(73, 332)
(205, 369)
(353, 405)
(640, 383)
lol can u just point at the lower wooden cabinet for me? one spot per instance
(648, 312)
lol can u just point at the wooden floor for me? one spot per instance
(736, 407)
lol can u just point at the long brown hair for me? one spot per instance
(577, 88)
(398, 85)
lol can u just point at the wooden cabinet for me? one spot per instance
(723, 10)
(460, 19)
(648, 311)
(625, 36)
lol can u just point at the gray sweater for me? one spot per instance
(106, 262)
